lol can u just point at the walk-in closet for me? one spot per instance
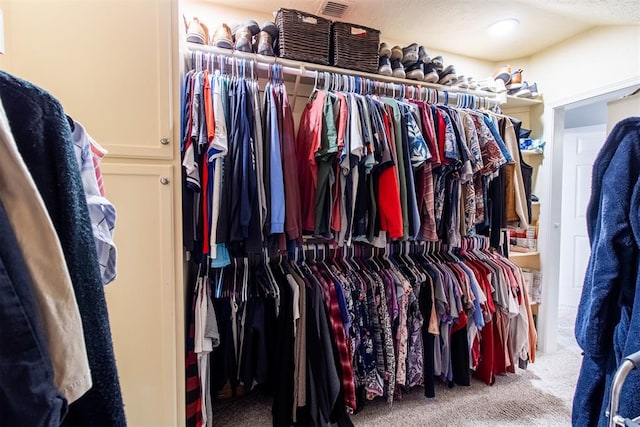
(311, 213)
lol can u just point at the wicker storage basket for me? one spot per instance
(355, 47)
(303, 36)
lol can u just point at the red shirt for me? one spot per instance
(389, 193)
(307, 143)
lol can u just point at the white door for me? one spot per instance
(580, 148)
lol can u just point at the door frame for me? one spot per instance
(551, 210)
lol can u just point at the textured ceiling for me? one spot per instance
(460, 26)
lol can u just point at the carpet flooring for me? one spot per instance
(538, 396)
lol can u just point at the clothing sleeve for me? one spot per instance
(103, 222)
(275, 172)
(419, 152)
(97, 154)
(101, 211)
(220, 145)
(389, 204)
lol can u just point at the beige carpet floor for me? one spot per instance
(538, 396)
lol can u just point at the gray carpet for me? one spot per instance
(538, 396)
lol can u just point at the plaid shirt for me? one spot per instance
(335, 319)
(101, 211)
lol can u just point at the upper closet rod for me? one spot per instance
(303, 69)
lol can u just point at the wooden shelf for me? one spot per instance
(535, 307)
(531, 153)
(523, 254)
(515, 102)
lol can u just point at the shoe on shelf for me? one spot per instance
(423, 55)
(516, 76)
(503, 74)
(430, 73)
(488, 85)
(197, 32)
(398, 69)
(222, 37)
(384, 50)
(462, 82)
(533, 88)
(414, 71)
(448, 76)
(438, 62)
(384, 66)
(524, 91)
(253, 27)
(270, 28)
(396, 53)
(512, 88)
(410, 54)
(499, 86)
(243, 38)
(265, 44)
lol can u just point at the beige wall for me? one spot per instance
(588, 61)
(598, 58)
(592, 63)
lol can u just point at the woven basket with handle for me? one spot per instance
(303, 36)
(355, 47)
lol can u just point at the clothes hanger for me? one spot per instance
(244, 296)
(387, 253)
(430, 253)
(384, 258)
(330, 84)
(395, 254)
(315, 87)
(408, 248)
(270, 275)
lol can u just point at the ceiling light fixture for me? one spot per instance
(503, 27)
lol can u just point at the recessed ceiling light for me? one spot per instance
(503, 26)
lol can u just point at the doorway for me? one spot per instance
(567, 116)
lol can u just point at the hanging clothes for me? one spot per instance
(398, 320)
(53, 290)
(46, 147)
(442, 162)
(239, 182)
(358, 316)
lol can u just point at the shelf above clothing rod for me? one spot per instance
(311, 71)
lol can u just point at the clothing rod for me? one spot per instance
(310, 70)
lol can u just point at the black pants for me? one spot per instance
(28, 396)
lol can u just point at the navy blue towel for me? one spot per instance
(608, 322)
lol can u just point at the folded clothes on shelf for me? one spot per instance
(530, 144)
